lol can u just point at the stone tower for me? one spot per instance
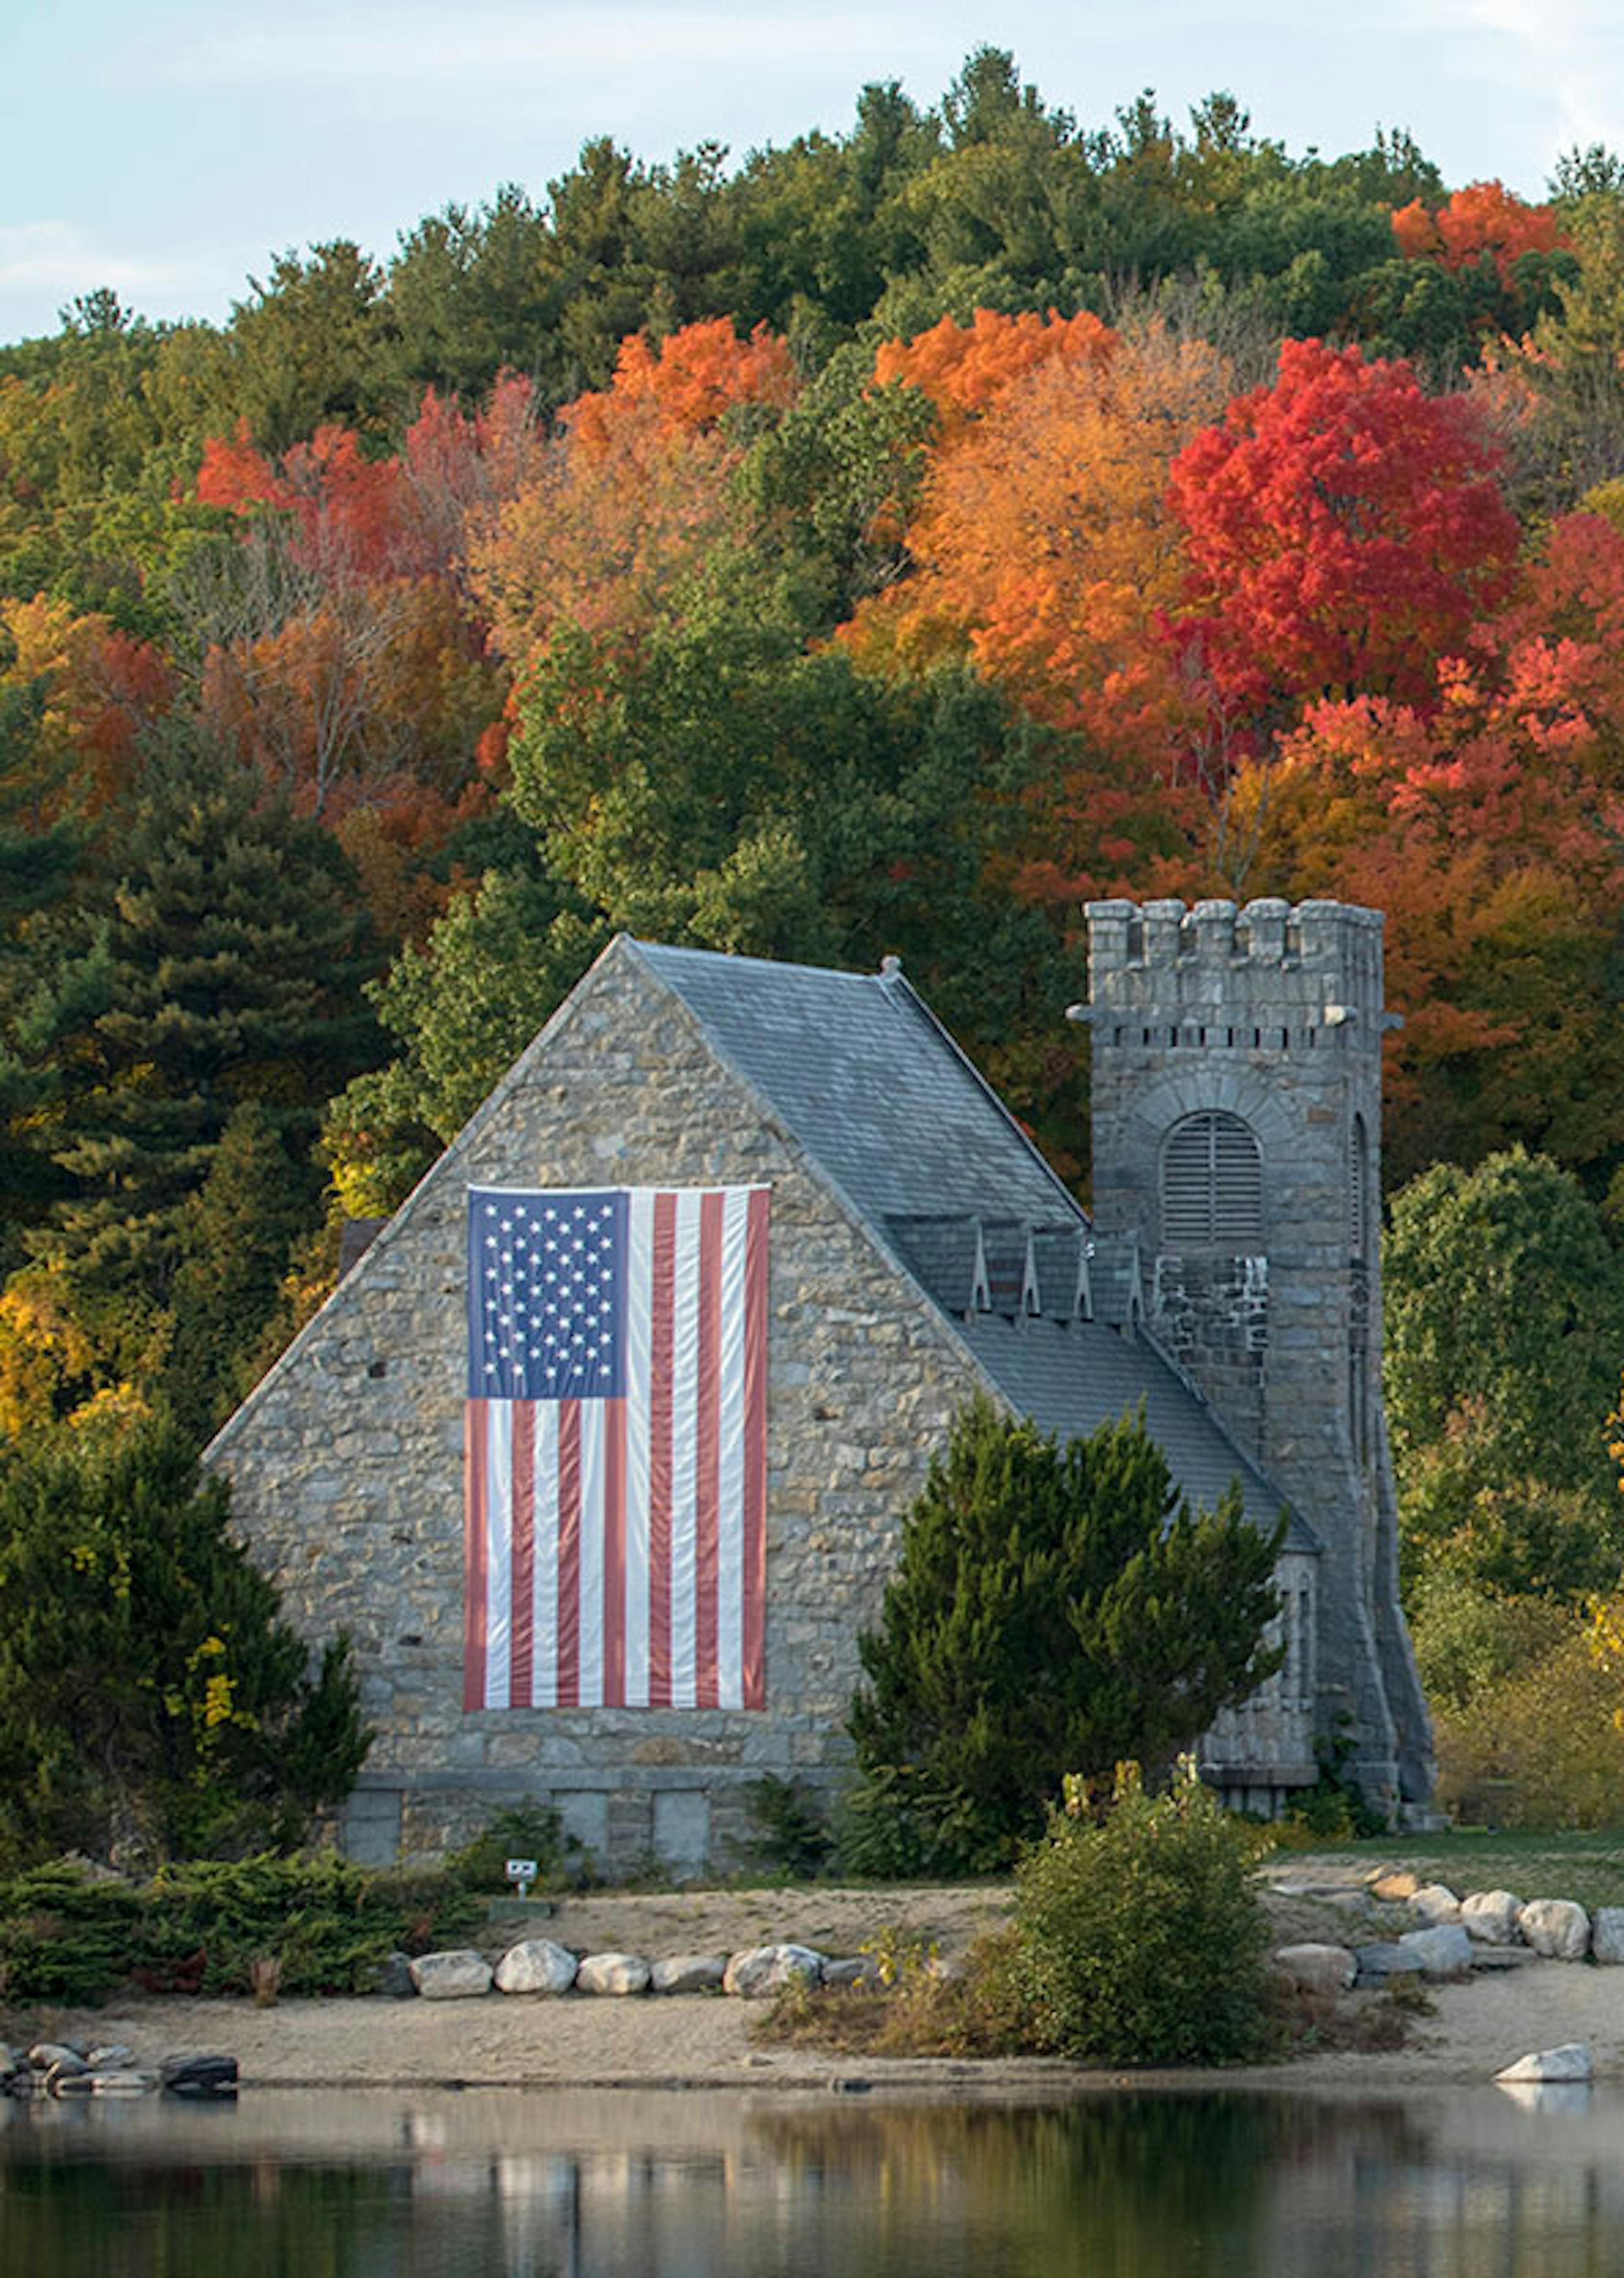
(1237, 1103)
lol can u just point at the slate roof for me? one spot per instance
(862, 1074)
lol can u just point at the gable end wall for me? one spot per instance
(346, 1463)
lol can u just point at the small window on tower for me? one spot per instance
(1212, 1185)
(1358, 1190)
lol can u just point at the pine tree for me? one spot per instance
(235, 1236)
(232, 969)
(1054, 1610)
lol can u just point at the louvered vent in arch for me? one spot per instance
(1212, 1185)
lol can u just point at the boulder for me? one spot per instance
(1491, 1916)
(1317, 1968)
(1607, 1934)
(196, 2077)
(395, 1982)
(760, 1971)
(1570, 2061)
(1394, 1886)
(1384, 1964)
(851, 1969)
(1557, 1928)
(613, 1973)
(535, 1965)
(456, 1974)
(44, 2056)
(114, 2081)
(123, 2080)
(113, 2057)
(688, 1973)
(1442, 1952)
(1434, 1903)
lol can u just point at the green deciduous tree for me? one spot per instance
(461, 1009)
(1505, 1320)
(1504, 1311)
(1054, 1610)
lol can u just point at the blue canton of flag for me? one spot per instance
(547, 1297)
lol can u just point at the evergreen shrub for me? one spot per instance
(790, 1834)
(525, 1831)
(1053, 1610)
(153, 1703)
(201, 1927)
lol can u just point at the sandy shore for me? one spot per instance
(704, 2040)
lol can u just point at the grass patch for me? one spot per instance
(1587, 1866)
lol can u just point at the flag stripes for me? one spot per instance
(615, 1551)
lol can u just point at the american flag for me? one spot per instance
(616, 1447)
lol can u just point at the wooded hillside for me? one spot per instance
(882, 544)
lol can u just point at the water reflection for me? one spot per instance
(1466, 2184)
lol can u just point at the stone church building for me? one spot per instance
(921, 1251)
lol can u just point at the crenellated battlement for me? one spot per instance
(1291, 972)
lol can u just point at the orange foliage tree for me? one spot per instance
(97, 688)
(1042, 543)
(964, 369)
(1485, 218)
(632, 491)
(341, 652)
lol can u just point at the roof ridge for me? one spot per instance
(742, 957)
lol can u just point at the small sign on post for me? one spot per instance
(522, 1872)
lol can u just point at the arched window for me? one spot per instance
(1212, 1185)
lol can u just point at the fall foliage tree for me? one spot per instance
(1482, 221)
(1345, 529)
(633, 491)
(1488, 825)
(1042, 545)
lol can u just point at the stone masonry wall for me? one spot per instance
(1274, 1014)
(346, 1463)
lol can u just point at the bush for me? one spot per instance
(525, 1831)
(1143, 1939)
(1541, 1751)
(791, 1837)
(1524, 1696)
(1054, 1609)
(63, 1937)
(202, 1928)
(152, 1701)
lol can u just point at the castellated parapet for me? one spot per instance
(1237, 1122)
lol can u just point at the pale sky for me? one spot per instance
(169, 149)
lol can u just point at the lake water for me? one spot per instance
(494, 2184)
